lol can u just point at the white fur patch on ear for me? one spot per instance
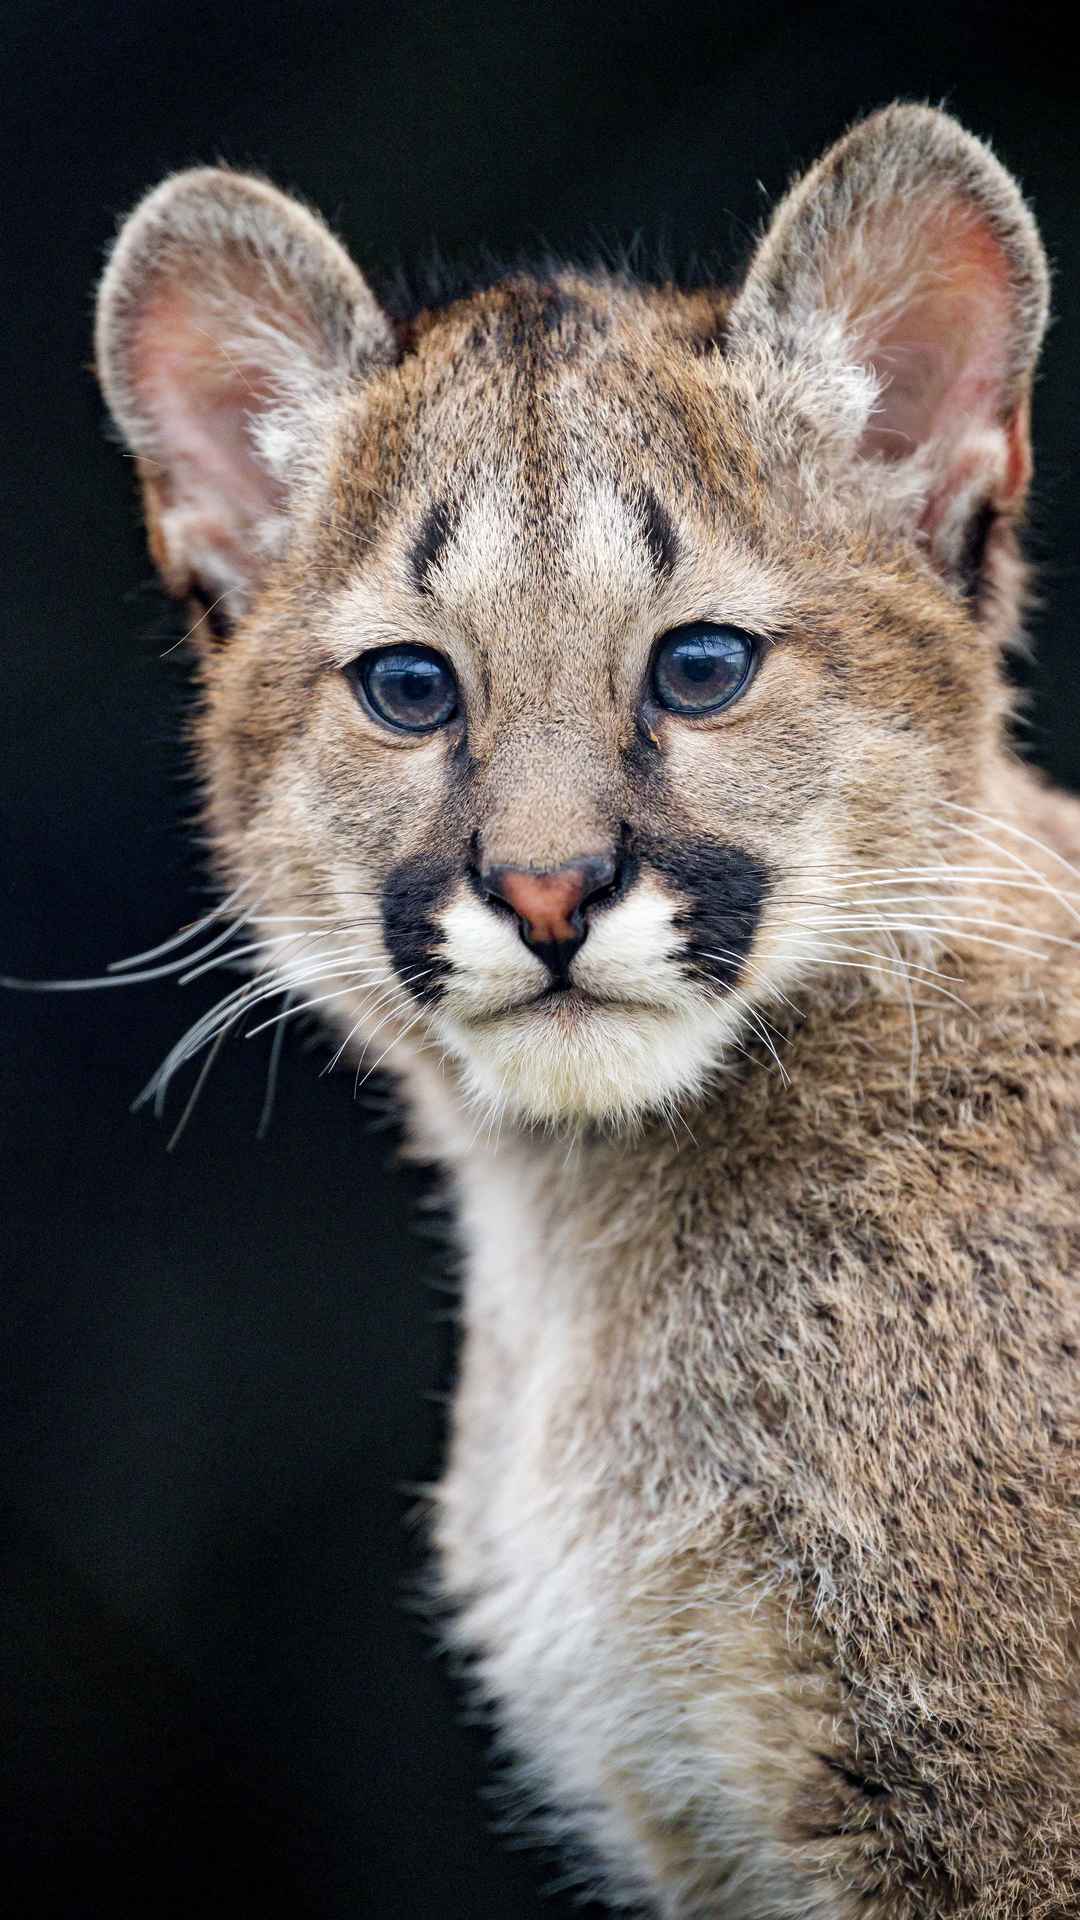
(228, 319)
(908, 253)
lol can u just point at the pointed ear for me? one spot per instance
(228, 318)
(908, 251)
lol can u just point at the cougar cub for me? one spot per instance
(603, 723)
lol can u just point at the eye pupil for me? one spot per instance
(415, 685)
(410, 688)
(701, 668)
(699, 665)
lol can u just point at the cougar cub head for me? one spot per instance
(568, 649)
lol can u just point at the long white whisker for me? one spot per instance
(853, 878)
(970, 833)
(98, 982)
(305, 1006)
(940, 896)
(241, 1000)
(739, 960)
(272, 1071)
(1006, 826)
(179, 961)
(867, 966)
(185, 934)
(235, 954)
(914, 1048)
(873, 953)
(198, 1034)
(398, 1037)
(946, 923)
(760, 1027)
(193, 1097)
(394, 987)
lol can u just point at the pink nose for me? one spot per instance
(550, 906)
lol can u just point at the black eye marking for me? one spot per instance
(702, 668)
(434, 536)
(412, 894)
(411, 689)
(725, 889)
(660, 536)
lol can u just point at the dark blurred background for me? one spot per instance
(225, 1366)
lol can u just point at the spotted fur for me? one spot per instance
(761, 1525)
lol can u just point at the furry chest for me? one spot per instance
(642, 1683)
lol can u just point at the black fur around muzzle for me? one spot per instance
(720, 892)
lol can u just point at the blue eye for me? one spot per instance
(410, 688)
(701, 668)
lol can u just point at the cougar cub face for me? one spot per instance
(578, 642)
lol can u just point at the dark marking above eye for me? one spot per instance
(660, 536)
(434, 536)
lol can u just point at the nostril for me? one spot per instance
(488, 886)
(600, 877)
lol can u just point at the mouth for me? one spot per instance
(567, 1004)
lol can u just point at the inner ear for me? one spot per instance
(213, 499)
(937, 342)
(908, 252)
(228, 320)
(940, 357)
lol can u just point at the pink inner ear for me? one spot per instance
(941, 348)
(199, 400)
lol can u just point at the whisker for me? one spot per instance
(727, 954)
(959, 925)
(201, 1032)
(241, 1000)
(866, 966)
(259, 946)
(395, 987)
(305, 1006)
(761, 1027)
(236, 954)
(1006, 826)
(272, 1071)
(185, 934)
(914, 1050)
(952, 870)
(872, 960)
(358, 1084)
(875, 953)
(947, 896)
(193, 1097)
(970, 833)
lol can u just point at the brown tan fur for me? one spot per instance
(761, 1524)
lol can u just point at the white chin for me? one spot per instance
(578, 1065)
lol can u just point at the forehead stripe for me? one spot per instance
(441, 522)
(660, 536)
(437, 530)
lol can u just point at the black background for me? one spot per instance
(224, 1367)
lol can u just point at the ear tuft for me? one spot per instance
(908, 251)
(228, 318)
